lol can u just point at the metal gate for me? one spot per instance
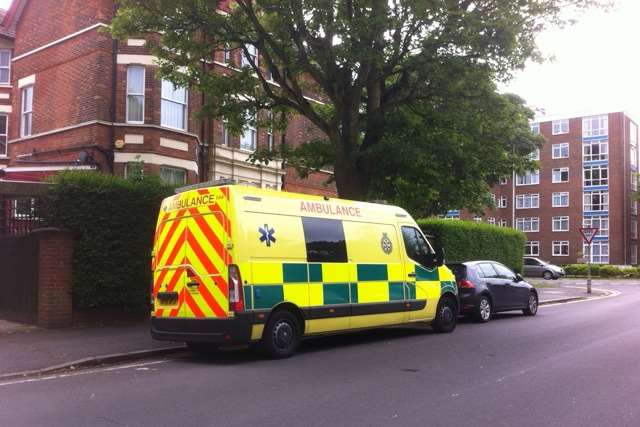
(19, 282)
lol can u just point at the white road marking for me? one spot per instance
(87, 372)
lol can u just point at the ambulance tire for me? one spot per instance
(446, 315)
(282, 334)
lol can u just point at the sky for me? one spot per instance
(595, 69)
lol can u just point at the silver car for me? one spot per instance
(535, 267)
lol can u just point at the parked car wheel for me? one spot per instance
(532, 305)
(483, 310)
(446, 316)
(547, 275)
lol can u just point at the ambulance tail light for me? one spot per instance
(465, 284)
(236, 299)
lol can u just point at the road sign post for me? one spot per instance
(588, 233)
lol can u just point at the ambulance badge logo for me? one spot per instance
(266, 235)
(386, 244)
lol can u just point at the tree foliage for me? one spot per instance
(365, 61)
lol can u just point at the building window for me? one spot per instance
(560, 175)
(596, 201)
(252, 57)
(532, 248)
(5, 66)
(535, 128)
(595, 126)
(560, 200)
(633, 156)
(226, 54)
(226, 138)
(477, 218)
(634, 254)
(3, 134)
(174, 106)
(634, 181)
(634, 208)
(502, 202)
(633, 133)
(249, 135)
(173, 176)
(595, 150)
(535, 154)
(560, 151)
(528, 224)
(135, 94)
(491, 221)
(560, 248)
(27, 111)
(529, 178)
(527, 201)
(599, 222)
(599, 252)
(270, 137)
(504, 180)
(559, 127)
(560, 223)
(634, 228)
(596, 175)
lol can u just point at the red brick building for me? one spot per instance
(588, 171)
(71, 97)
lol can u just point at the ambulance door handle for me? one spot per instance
(411, 274)
(192, 284)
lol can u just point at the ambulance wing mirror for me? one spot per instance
(439, 257)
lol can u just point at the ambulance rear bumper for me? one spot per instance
(235, 330)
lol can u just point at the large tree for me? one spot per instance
(367, 60)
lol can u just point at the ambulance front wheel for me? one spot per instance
(282, 335)
(446, 315)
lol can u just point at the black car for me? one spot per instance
(487, 287)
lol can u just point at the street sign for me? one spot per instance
(588, 233)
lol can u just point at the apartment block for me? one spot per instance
(587, 174)
(71, 97)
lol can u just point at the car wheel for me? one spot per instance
(532, 305)
(446, 316)
(281, 336)
(547, 275)
(483, 310)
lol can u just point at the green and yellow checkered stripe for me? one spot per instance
(320, 284)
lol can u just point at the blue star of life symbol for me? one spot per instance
(266, 235)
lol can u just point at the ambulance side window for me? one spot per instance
(417, 247)
(325, 240)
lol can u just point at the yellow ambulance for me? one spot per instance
(236, 264)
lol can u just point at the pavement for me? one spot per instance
(573, 364)
(100, 337)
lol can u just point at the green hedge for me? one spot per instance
(113, 220)
(601, 270)
(467, 241)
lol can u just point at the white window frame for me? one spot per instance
(250, 133)
(529, 178)
(270, 135)
(557, 199)
(603, 151)
(558, 151)
(634, 254)
(597, 247)
(226, 53)
(502, 202)
(26, 111)
(3, 153)
(601, 128)
(557, 247)
(634, 208)
(633, 134)
(634, 228)
(184, 104)
(174, 169)
(634, 180)
(601, 222)
(603, 203)
(535, 155)
(595, 182)
(559, 127)
(528, 225)
(226, 138)
(532, 248)
(504, 180)
(558, 179)
(503, 223)
(139, 95)
(491, 220)
(527, 201)
(560, 223)
(253, 52)
(535, 128)
(6, 67)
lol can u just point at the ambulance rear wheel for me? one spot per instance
(446, 316)
(282, 335)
